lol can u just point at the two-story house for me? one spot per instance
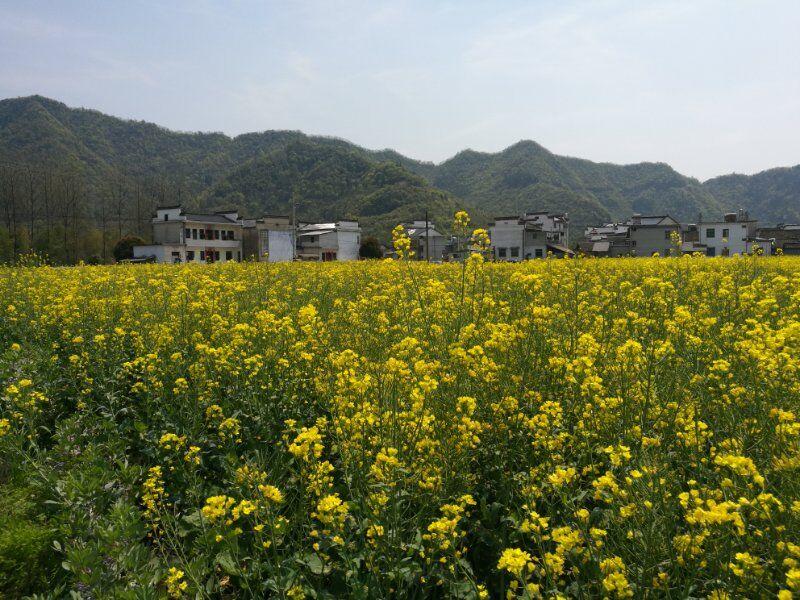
(531, 235)
(328, 241)
(425, 239)
(638, 236)
(179, 236)
(736, 233)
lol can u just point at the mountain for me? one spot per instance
(119, 169)
(526, 176)
(330, 182)
(771, 196)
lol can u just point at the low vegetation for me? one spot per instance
(574, 428)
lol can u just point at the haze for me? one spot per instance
(710, 87)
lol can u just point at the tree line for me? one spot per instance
(64, 216)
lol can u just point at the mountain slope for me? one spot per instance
(526, 176)
(772, 196)
(258, 172)
(330, 182)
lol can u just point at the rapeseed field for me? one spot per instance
(554, 429)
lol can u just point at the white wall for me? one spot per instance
(506, 234)
(737, 233)
(280, 245)
(349, 243)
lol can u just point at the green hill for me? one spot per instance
(526, 176)
(83, 178)
(330, 182)
(771, 196)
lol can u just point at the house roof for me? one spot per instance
(560, 248)
(420, 232)
(208, 218)
(651, 220)
(601, 246)
(315, 232)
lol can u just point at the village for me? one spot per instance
(184, 237)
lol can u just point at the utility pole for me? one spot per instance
(427, 240)
(294, 226)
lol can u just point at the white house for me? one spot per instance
(531, 235)
(734, 234)
(193, 237)
(328, 241)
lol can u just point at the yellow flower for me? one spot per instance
(515, 561)
(175, 583)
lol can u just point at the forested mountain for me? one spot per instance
(73, 180)
(526, 175)
(330, 182)
(772, 196)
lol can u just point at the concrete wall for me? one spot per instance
(277, 245)
(167, 232)
(735, 244)
(163, 253)
(650, 240)
(349, 242)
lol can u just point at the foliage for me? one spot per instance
(123, 249)
(370, 248)
(771, 196)
(581, 428)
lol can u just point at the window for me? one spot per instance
(189, 255)
(166, 217)
(238, 255)
(539, 253)
(187, 233)
(202, 234)
(711, 251)
(216, 254)
(194, 234)
(515, 252)
(229, 255)
(216, 234)
(710, 232)
(202, 254)
(501, 252)
(725, 233)
(667, 233)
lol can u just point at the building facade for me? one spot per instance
(784, 237)
(269, 239)
(528, 236)
(425, 239)
(325, 242)
(736, 233)
(638, 236)
(179, 237)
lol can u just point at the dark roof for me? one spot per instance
(169, 207)
(208, 218)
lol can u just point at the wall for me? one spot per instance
(280, 245)
(349, 243)
(650, 240)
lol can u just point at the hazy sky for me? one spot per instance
(710, 87)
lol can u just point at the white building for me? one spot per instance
(193, 237)
(270, 238)
(734, 234)
(328, 241)
(531, 235)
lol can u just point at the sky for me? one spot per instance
(709, 86)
